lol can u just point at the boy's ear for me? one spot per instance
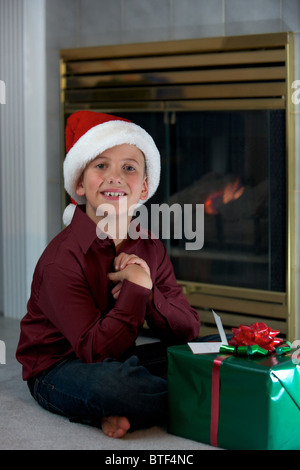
(80, 191)
(145, 191)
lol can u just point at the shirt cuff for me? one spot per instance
(159, 302)
(132, 297)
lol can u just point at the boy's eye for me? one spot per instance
(100, 165)
(129, 168)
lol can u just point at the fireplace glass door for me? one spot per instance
(232, 162)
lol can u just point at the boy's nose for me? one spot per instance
(114, 178)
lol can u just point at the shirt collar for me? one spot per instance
(84, 229)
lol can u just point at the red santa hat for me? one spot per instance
(88, 134)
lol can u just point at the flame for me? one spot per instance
(231, 192)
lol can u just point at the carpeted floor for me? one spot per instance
(26, 426)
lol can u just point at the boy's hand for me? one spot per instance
(132, 268)
(124, 259)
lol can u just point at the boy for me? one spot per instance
(91, 294)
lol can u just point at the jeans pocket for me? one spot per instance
(44, 392)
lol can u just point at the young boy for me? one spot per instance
(91, 294)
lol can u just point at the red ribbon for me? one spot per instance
(215, 398)
(257, 333)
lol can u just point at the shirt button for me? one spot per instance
(159, 305)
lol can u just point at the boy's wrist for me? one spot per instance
(137, 275)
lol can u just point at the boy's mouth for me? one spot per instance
(113, 194)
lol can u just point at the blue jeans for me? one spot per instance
(87, 392)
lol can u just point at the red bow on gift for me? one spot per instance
(257, 333)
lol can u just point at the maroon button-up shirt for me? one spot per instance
(71, 309)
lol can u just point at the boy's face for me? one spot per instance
(116, 173)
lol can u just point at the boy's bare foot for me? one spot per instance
(115, 426)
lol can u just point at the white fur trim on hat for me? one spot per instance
(102, 137)
(68, 214)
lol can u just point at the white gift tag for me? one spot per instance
(211, 347)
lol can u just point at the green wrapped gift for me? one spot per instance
(234, 402)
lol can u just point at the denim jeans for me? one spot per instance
(87, 392)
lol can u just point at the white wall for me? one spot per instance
(23, 148)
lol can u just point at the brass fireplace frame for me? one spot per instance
(226, 73)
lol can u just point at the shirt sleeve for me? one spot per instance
(169, 313)
(66, 300)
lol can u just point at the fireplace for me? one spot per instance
(219, 111)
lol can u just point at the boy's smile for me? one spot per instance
(113, 194)
(116, 173)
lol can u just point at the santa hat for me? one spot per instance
(88, 134)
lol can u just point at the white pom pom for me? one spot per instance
(68, 214)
